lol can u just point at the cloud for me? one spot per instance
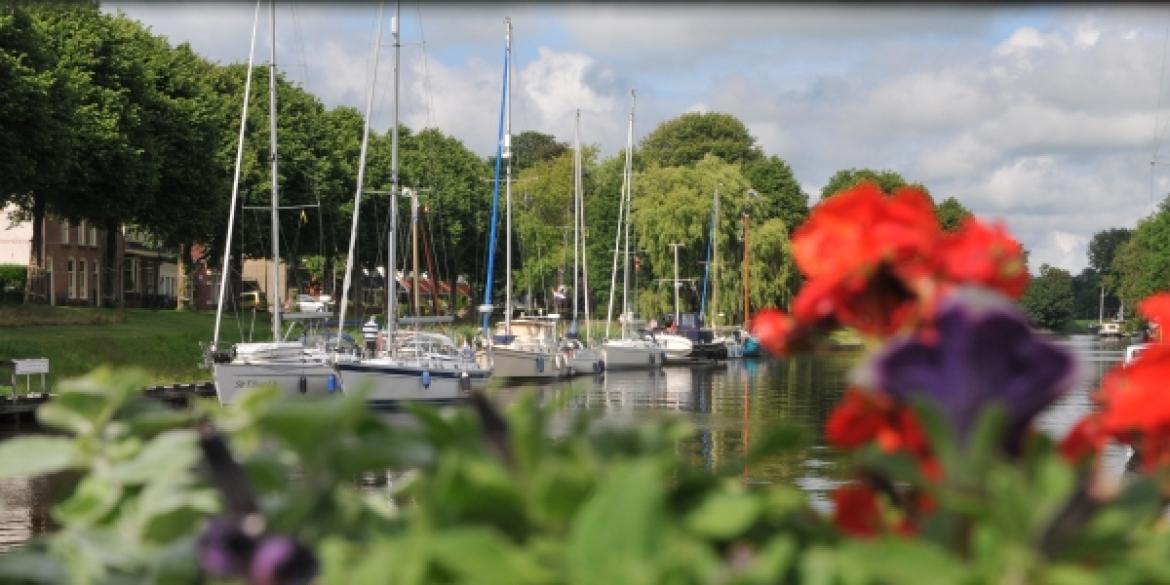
(1043, 116)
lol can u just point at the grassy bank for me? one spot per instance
(164, 343)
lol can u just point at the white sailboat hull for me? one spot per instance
(584, 361)
(633, 354)
(508, 362)
(676, 347)
(393, 380)
(297, 381)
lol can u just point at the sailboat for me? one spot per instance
(579, 357)
(300, 370)
(413, 366)
(526, 347)
(627, 352)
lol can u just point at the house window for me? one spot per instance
(131, 275)
(82, 282)
(93, 236)
(64, 231)
(97, 280)
(71, 275)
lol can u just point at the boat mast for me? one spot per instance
(715, 261)
(414, 250)
(617, 240)
(486, 307)
(576, 208)
(581, 229)
(675, 246)
(629, 207)
(392, 234)
(276, 335)
(508, 179)
(747, 308)
(361, 177)
(227, 250)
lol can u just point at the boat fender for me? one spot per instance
(331, 383)
(303, 385)
(465, 381)
(540, 364)
(426, 378)
(560, 362)
(598, 367)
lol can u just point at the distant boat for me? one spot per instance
(301, 369)
(580, 358)
(412, 366)
(627, 352)
(1110, 329)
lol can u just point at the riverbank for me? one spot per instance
(164, 343)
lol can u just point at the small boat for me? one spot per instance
(1110, 329)
(526, 348)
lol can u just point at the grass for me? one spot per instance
(164, 343)
(40, 315)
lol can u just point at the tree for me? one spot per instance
(685, 140)
(886, 179)
(1086, 294)
(1141, 264)
(1102, 250)
(674, 205)
(951, 213)
(781, 195)
(1049, 298)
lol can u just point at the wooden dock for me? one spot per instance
(16, 407)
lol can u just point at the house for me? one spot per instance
(73, 272)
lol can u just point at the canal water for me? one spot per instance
(728, 406)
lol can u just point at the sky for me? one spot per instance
(1051, 118)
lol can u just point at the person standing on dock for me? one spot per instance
(370, 334)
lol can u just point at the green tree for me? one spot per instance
(1103, 249)
(780, 194)
(1049, 298)
(951, 213)
(845, 178)
(687, 139)
(1086, 294)
(1141, 264)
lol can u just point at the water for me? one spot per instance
(727, 405)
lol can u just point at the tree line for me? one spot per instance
(108, 123)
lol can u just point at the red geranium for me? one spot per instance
(856, 510)
(980, 254)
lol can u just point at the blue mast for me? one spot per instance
(491, 262)
(707, 268)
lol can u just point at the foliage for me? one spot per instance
(1086, 295)
(12, 277)
(888, 181)
(951, 483)
(1141, 264)
(689, 138)
(1103, 247)
(951, 213)
(1049, 298)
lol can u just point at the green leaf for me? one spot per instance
(170, 453)
(481, 555)
(72, 412)
(772, 563)
(724, 515)
(94, 498)
(618, 530)
(37, 455)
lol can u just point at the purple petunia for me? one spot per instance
(984, 353)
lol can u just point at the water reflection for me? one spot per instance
(727, 405)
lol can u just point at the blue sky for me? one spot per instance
(1041, 116)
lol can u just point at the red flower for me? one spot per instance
(978, 254)
(1156, 309)
(772, 327)
(857, 420)
(856, 510)
(1086, 439)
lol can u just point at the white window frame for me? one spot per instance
(82, 282)
(64, 231)
(93, 236)
(71, 278)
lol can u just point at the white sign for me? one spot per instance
(31, 366)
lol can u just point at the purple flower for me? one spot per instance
(985, 353)
(224, 549)
(280, 560)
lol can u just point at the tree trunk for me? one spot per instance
(113, 261)
(180, 278)
(37, 256)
